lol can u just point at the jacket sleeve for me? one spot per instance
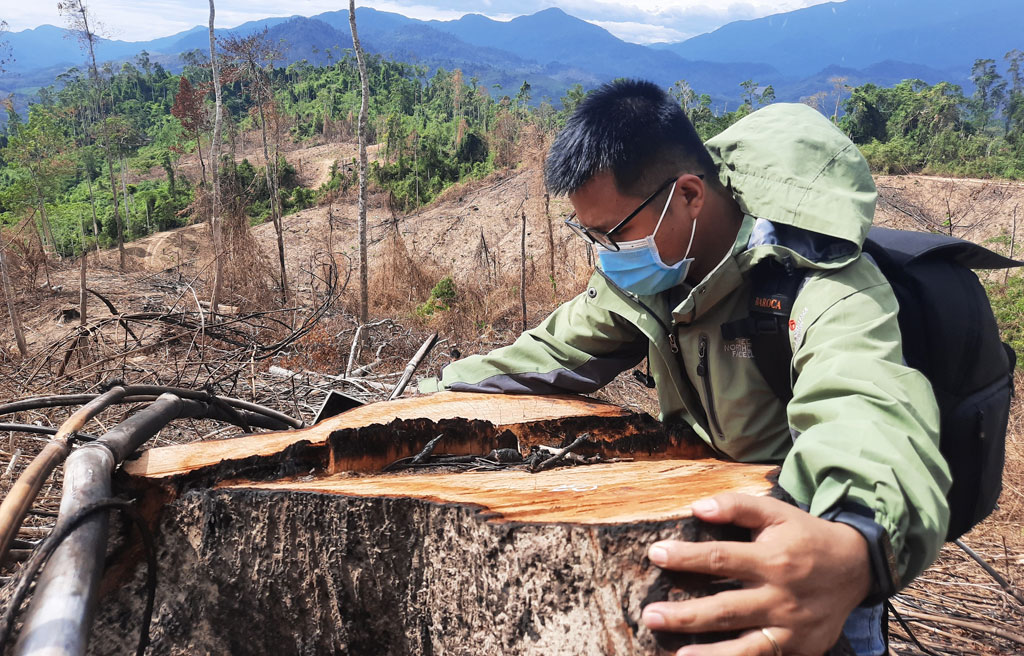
(865, 426)
(578, 349)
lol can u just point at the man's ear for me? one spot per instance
(693, 190)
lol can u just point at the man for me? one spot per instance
(679, 231)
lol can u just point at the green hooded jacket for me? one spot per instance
(861, 431)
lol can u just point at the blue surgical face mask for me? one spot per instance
(637, 266)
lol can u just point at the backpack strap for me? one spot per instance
(773, 289)
(775, 285)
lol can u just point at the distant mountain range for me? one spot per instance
(880, 41)
(945, 35)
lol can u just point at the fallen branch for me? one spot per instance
(965, 624)
(410, 369)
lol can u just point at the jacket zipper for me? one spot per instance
(704, 371)
(673, 344)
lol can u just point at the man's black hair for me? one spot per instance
(632, 128)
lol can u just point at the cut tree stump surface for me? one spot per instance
(612, 493)
(298, 543)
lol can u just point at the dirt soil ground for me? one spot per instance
(474, 233)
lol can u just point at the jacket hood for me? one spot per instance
(788, 164)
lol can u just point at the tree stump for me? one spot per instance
(297, 542)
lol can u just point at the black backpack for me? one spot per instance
(949, 334)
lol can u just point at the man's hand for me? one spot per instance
(801, 577)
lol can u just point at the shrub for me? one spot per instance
(441, 297)
(1008, 305)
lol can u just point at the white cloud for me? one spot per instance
(631, 20)
(421, 12)
(642, 32)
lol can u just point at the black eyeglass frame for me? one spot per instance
(604, 239)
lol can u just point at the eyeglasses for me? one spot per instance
(604, 239)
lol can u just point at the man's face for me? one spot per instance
(600, 206)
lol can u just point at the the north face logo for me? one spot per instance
(740, 348)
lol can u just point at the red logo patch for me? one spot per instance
(792, 324)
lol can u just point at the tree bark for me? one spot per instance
(365, 576)
(300, 534)
(364, 291)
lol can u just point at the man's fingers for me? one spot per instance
(744, 510)
(739, 560)
(725, 611)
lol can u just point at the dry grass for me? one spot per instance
(979, 210)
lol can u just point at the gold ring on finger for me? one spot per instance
(775, 645)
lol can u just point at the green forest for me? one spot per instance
(101, 148)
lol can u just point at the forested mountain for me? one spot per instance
(550, 49)
(865, 41)
(946, 35)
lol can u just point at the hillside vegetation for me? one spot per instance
(434, 128)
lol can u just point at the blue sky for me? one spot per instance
(639, 21)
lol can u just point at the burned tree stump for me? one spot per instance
(297, 542)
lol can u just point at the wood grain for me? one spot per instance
(610, 493)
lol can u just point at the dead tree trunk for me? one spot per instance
(216, 232)
(551, 240)
(92, 204)
(83, 282)
(522, 270)
(113, 193)
(271, 174)
(46, 261)
(1013, 239)
(279, 211)
(12, 311)
(364, 284)
(199, 148)
(301, 534)
(124, 194)
(45, 229)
